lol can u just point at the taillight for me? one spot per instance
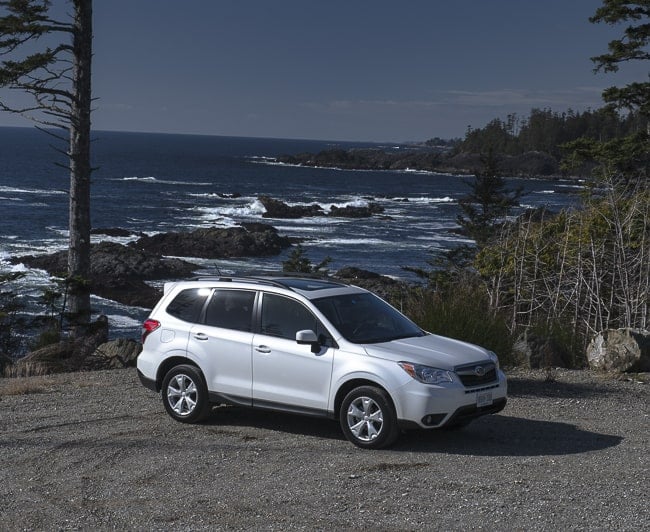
(148, 327)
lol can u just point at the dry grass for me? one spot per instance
(24, 386)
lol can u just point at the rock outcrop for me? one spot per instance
(120, 273)
(247, 240)
(120, 353)
(64, 356)
(279, 209)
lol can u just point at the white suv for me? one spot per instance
(314, 347)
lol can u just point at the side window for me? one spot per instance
(284, 317)
(231, 309)
(187, 304)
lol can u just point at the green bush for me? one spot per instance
(462, 311)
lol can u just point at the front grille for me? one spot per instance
(477, 374)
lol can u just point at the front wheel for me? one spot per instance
(185, 394)
(368, 418)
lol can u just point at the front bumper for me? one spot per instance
(430, 406)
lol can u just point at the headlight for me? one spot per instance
(426, 374)
(494, 358)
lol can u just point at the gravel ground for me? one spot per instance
(96, 451)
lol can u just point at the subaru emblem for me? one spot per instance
(479, 370)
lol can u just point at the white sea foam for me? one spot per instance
(428, 200)
(152, 179)
(351, 242)
(119, 321)
(16, 190)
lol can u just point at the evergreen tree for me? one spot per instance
(632, 46)
(487, 203)
(58, 79)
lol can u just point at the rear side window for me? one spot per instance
(187, 304)
(231, 309)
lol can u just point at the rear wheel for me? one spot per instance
(185, 394)
(368, 418)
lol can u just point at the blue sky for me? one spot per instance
(343, 70)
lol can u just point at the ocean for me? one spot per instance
(152, 183)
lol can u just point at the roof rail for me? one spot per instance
(227, 279)
(274, 279)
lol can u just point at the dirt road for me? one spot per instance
(96, 451)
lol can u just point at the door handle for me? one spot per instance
(263, 349)
(200, 336)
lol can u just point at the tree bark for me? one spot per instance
(80, 170)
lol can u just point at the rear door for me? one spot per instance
(285, 374)
(222, 344)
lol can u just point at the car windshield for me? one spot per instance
(366, 319)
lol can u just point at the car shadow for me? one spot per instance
(495, 435)
(502, 435)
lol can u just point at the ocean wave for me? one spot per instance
(17, 190)
(427, 199)
(155, 180)
(351, 242)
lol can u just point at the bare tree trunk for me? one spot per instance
(80, 170)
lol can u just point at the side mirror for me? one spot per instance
(308, 337)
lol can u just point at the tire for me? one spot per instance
(368, 418)
(185, 394)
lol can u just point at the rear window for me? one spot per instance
(187, 305)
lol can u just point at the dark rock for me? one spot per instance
(5, 362)
(350, 211)
(120, 353)
(621, 350)
(537, 351)
(352, 272)
(64, 356)
(115, 232)
(250, 240)
(385, 287)
(278, 209)
(118, 272)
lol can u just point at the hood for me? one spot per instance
(430, 350)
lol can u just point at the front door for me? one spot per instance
(286, 374)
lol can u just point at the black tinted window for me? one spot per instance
(231, 309)
(187, 304)
(284, 317)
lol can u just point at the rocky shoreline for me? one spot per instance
(530, 164)
(124, 272)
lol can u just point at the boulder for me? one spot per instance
(538, 351)
(620, 350)
(120, 353)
